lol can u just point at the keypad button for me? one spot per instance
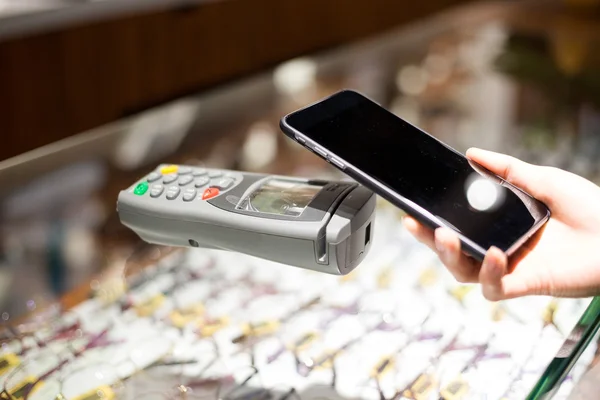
(154, 176)
(210, 193)
(223, 183)
(141, 188)
(173, 192)
(156, 190)
(184, 170)
(184, 180)
(169, 178)
(201, 182)
(169, 169)
(199, 171)
(215, 174)
(189, 194)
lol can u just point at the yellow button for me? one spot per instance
(169, 169)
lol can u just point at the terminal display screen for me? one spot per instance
(281, 197)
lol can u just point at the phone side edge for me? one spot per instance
(512, 250)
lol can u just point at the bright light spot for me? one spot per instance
(438, 67)
(155, 254)
(295, 75)
(412, 80)
(5, 316)
(156, 134)
(260, 147)
(482, 194)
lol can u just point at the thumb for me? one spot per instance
(496, 283)
(530, 178)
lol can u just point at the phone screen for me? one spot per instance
(419, 168)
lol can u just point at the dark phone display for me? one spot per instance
(418, 167)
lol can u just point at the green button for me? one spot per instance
(141, 188)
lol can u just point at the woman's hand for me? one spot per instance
(561, 259)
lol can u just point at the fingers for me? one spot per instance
(464, 269)
(530, 178)
(493, 269)
(422, 233)
(447, 246)
(496, 282)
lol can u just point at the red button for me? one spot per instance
(210, 193)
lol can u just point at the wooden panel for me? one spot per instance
(59, 84)
(33, 108)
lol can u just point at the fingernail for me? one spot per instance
(438, 244)
(496, 268)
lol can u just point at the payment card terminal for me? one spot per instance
(319, 225)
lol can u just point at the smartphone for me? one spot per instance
(416, 172)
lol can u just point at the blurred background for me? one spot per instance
(95, 93)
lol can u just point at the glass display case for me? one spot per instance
(89, 311)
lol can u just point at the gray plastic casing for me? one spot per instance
(329, 238)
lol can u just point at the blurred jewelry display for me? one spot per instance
(203, 324)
